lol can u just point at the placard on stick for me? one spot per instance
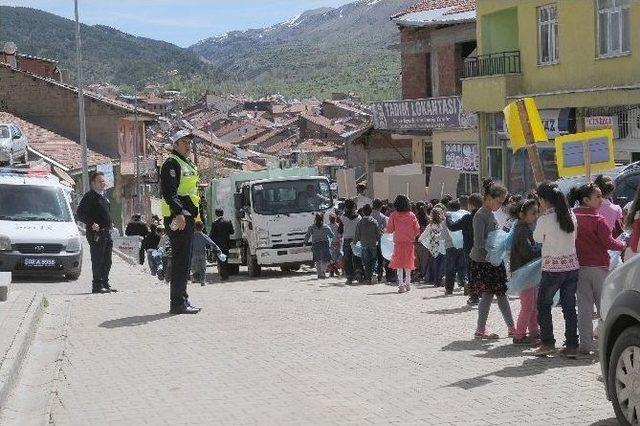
(381, 185)
(444, 180)
(413, 186)
(525, 129)
(585, 153)
(346, 179)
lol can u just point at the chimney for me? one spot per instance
(9, 54)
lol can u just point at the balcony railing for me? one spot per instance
(493, 64)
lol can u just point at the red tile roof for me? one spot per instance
(329, 161)
(326, 123)
(213, 140)
(63, 151)
(251, 166)
(282, 148)
(317, 145)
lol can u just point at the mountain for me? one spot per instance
(344, 49)
(109, 55)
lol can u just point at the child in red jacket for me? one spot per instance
(593, 240)
(404, 226)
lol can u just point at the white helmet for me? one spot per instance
(180, 135)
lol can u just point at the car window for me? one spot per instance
(4, 132)
(17, 132)
(626, 188)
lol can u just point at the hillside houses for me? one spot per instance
(256, 134)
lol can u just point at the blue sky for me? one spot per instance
(183, 22)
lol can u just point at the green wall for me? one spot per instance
(500, 31)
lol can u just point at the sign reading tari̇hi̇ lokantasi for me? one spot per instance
(585, 153)
(422, 114)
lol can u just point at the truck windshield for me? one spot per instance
(30, 203)
(287, 197)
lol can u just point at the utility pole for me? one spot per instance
(81, 114)
(137, 152)
(212, 151)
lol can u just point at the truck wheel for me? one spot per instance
(233, 269)
(254, 268)
(624, 372)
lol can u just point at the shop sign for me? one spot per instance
(462, 156)
(598, 122)
(554, 121)
(422, 114)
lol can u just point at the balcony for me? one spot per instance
(494, 64)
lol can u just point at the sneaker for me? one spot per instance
(407, 287)
(374, 280)
(571, 353)
(544, 350)
(401, 289)
(483, 335)
(349, 282)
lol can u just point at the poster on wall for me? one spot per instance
(462, 156)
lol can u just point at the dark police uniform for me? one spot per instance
(178, 181)
(95, 208)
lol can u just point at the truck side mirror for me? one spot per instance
(238, 206)
(237, 201)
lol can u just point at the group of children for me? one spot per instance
(566, 238)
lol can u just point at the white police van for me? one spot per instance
(38, 233)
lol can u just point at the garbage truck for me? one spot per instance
(271, 211)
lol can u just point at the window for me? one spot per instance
(613, 27)
(547, 35)
(33, 203)
(17, 132)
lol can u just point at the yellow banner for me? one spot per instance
(570, 152)
(515, 126)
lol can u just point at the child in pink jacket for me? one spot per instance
(405, 228)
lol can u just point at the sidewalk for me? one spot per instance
(20, 316)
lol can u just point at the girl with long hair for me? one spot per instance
(556, 231)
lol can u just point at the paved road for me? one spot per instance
(289, 349)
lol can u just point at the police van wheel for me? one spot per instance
(73, 276)
(254, 268)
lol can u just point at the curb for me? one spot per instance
(130, 260)
(13, 359)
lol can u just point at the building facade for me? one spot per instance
(436, 37)
(579, 59)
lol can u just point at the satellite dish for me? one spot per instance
(10, 48)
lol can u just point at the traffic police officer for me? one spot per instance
(180, 209)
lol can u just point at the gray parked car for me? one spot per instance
(14, 146)
(620, 340)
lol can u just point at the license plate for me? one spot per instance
(39, 263)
